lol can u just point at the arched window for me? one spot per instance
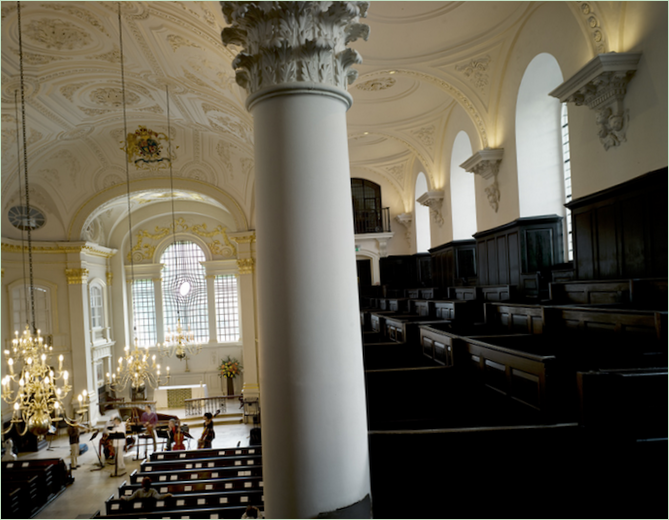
(144, 312)
(566, 164)
(185, 289)
(539, 140)
(463, 193)
(423, 239)
(97, 307)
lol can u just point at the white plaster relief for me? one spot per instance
(476, 71)
(82, 14)
(176, 42)
(425, 135)
(57, 34)
(376, 84)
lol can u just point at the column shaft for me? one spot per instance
(313, 395)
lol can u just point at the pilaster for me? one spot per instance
(248, 312)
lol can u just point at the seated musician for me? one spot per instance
(146, 491)
(149, 419)
(172, 434)
(106, 448)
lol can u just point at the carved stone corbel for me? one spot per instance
(602, 85)
(406, 219)
(486, 164)
(433, 200)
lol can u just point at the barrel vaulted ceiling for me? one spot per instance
(421, 61)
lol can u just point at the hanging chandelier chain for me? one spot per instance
(21, 205)
(174, 222)
(25, 170)
(125, 133)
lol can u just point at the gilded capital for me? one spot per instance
(76, 276)
(284, 43)
(246, 265)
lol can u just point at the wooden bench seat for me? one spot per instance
(196, 474)
(198, 486)
(206, 453)
(209, 512)
(39, 481)
(204, 463)
(549, 471)
(186, 501)
(392, 354)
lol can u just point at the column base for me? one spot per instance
(362, 509)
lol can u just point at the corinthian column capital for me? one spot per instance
(284, 43)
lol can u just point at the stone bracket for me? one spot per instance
(433, 200)
(602, 85)
(486, 164)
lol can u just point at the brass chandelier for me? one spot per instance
(136, 368)
(32, 387)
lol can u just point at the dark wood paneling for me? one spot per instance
(515, 252)
(454, 264)
(621, 232)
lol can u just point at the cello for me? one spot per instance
(178, 438)
(204, 437)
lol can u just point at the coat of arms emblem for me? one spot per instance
(145, 148)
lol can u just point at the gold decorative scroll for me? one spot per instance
(142, 251)
(76, 276)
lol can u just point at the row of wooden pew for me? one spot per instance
(503, 408)
(209, 483)
(29, 485)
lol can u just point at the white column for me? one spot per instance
(314, 423)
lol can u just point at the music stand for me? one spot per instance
(115, 436)
(97, 452)
(163, 434)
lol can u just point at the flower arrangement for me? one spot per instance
(230, 368)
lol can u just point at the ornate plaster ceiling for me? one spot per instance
(421, 60)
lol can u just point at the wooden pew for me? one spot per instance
(542, 471)
(39, 482)
(590, 292)
(515, 317)
(196, 474)
(219, 485)
(385, 355)
(186, 501)
(201, 463)
(206, 453)
(630, 404)
(215, 512)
